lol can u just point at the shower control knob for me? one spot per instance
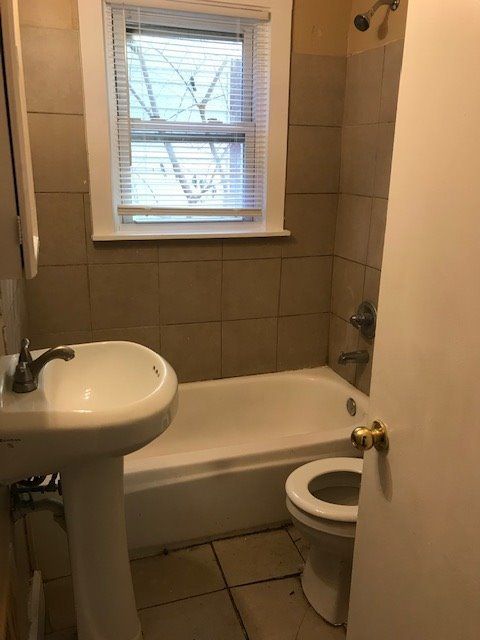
(364, 438)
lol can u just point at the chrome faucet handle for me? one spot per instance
(359, 320)
(24, 355)
(365, 320)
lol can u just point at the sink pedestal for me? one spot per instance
(102, 583)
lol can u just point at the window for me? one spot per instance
(191, 134)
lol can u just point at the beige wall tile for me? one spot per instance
(380, 33)
(53, 80)
(317, 89)
(250, 288)
(343, 337)
(190, 292)
(61, 228)
(59, 152)
(321, 26)
(206, 617)
(251, 248)
(302, 341)
(124, 295)
(313, 163)
(383, 165)
(147, 336)
(372, 285)
(60, 14)
(347, 287)
(311, 220)
(377, 233)
(391, 78)
(364, 86)
(187, 250)
(363, 374)
(116, 252)
(180, 574)
(48, 340)
(193, 350)
(249, 346)
(353, 224)
(58, 300)
(305, 285)
(359, 146)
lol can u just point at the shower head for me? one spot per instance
(362, 20)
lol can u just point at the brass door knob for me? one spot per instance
(364, 438)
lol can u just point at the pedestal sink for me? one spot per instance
(111, 399)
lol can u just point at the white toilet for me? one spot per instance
(322, 498)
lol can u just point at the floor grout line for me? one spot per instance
(197, 595)
(263, 580)
(230, 595)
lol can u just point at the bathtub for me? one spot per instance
(221, 466)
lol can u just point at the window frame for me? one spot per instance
(107, 225)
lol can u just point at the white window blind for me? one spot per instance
(189, 110)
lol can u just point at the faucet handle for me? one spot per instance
(25, 355)
(365, 319)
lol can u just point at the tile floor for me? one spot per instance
(242, 588)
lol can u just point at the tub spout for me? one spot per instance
(359, 357)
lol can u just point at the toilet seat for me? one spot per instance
(297, 487)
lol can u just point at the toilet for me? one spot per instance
(322, 498)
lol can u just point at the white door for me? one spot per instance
(417, 556)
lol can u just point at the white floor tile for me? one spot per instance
(180, 574)
(258, 557)
(208, 617)
(300, 542)
(278, 610)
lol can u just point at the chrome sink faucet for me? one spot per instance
(359, 357)
(26, 374)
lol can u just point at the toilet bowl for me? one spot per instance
(322, 498)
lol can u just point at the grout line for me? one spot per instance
(55, 113)
(230, 595)
(272, 579)
(196, 595)
(143, 262)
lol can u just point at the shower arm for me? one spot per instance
(393, 4)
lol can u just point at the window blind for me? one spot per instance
(189, 104)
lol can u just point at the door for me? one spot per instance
(417, 555)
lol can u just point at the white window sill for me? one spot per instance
(184, 231)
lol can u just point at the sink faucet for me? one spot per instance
(359, 357)
(26, 374)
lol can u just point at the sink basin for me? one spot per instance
(86, 414)
(111, 399)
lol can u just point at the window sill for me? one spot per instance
(184, 231)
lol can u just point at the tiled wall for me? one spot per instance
(212, 308)
(233, 307)
(367, 144)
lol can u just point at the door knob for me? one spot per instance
(364, 438)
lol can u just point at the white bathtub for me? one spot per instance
(221, 466)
